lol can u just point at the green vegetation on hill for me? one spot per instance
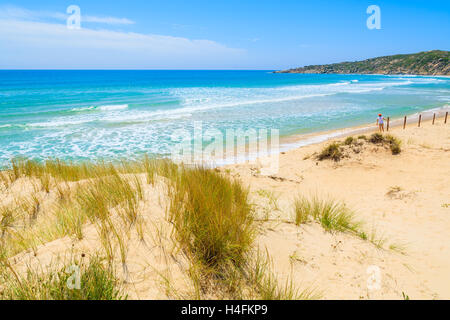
(434, 62)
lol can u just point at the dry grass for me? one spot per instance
(210, 212)
(331, 151)
(265, 285)
(332, 215)
(338, 150)
(393, 142)
(97, 282)
(213, 221)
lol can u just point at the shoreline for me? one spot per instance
(295, 141)
(406, 230)
(401, 200)
(298, 141)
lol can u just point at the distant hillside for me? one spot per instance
(434, 62)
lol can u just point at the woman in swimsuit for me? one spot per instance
(380, 122)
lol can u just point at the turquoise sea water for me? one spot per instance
(76, 115)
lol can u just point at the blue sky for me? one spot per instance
(214, 34)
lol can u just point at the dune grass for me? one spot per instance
(332, 215)
(212, 218)
(336, 216)
(335, 150)
(393, 142)
(97, 281)
(331, 151)
(267, 287)
(211, 214)
(349, 140)
(376, 138)
(86, 192)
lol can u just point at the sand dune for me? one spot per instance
(403, 197)
(403, 201)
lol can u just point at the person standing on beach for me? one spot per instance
(380, 122)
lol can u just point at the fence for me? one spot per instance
(419, 121)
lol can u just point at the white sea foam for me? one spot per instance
(57, 123)
(113, 107)
(83, 108)
(116, 131)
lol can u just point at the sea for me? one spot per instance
(79, 115)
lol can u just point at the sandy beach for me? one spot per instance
(404, 198)
(402, 201)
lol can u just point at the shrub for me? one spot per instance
(376, 138)
(349, 140)
(331, 151)
(394, 144)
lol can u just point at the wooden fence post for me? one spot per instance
(387, 127)
(446, 114)
(404, 123)
(434, 117)
(420, 119)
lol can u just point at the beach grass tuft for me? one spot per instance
(212, 217)
(376, 138)
(332, 215)
(349, 141)
(267, 287)
(331, 151)
(97, 281)
(394, 144)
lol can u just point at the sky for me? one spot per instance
(214, 34)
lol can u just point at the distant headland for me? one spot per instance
(435, 62)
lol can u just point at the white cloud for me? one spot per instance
(106, 20)
(12, 12)
(33, 44)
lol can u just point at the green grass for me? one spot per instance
(394, 144)
(211, 214)
(349, 140)
(331, 151)
(335, 150)
(97, 282)
(267, 287)
(272, 198)
(212, 217)
(302, 210)
(332, 215)
(376, 138)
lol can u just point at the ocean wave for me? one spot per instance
(308, 91)
(81, 109)
(5, 126)
(58, 123)
(74, 111)
(113, 107)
